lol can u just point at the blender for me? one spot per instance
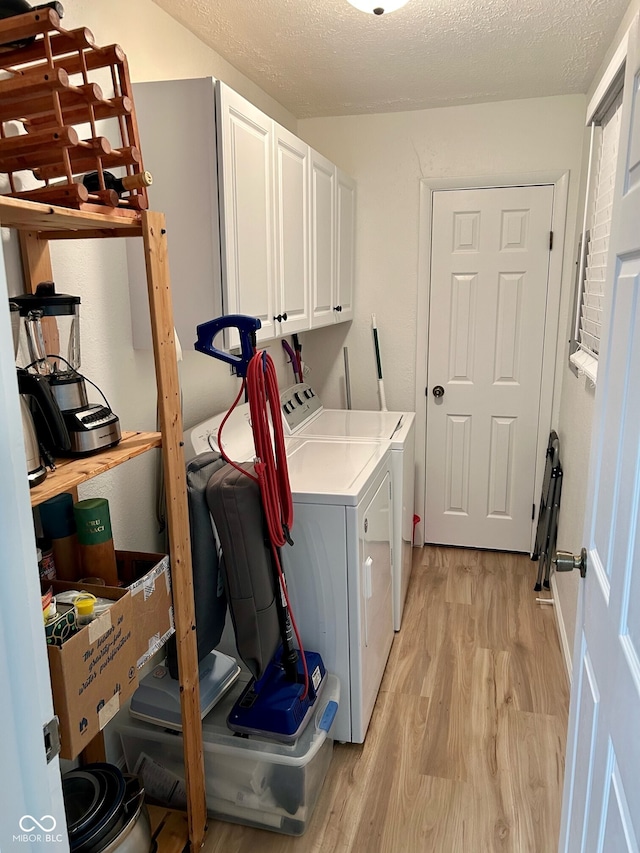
(36, 471)
(50, 348)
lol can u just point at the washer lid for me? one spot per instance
(331, 471)
(321, 470)
(348, 423)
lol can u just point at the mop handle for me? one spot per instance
(347, 380)
(383, 402)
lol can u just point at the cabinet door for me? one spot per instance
(323, 254)
(292, 231)
(246, 210)
(345, 245)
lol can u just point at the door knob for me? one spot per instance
(438, 391)
(565, 561)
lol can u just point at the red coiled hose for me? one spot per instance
(271, 468)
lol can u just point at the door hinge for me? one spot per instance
(550, 240)
(51, 732)
(533, 511)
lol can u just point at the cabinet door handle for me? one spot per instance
(284, 316)
(278, 318)
(281, 317)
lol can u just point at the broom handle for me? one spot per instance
(383, 401)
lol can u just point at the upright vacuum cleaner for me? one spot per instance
(252, 509)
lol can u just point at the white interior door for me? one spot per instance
(601, 806)
(489, 281)
(31, 807)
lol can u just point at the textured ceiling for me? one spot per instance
(326, 58)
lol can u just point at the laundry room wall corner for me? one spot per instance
(388, 155)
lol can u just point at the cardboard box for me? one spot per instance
(94, 671)
(148, 579)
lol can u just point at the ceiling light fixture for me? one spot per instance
(378, 7)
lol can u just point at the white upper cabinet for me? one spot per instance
(245, 153)
(291, 232)
(258, 223)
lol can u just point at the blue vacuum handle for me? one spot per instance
(247, 328)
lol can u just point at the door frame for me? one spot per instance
(560, 181)
(26, 703)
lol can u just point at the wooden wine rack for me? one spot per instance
(47, 96)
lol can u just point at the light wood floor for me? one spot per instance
(465, 751)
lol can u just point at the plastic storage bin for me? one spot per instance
(249, 780)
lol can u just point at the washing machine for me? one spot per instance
(304, 415)
(339, 570)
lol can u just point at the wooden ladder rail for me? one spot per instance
(37, 267)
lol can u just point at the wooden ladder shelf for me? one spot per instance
(38, 224)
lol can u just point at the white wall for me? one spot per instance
(388, 155)
(156, 48)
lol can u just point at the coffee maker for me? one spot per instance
(50, 348)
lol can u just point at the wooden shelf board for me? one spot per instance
(56, 222)
(169, 828)
(70, 473)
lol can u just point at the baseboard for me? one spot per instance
(567, 651)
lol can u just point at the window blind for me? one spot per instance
(593, 294)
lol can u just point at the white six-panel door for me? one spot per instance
(601, 806)
(489, 277)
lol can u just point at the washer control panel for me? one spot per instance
(299, 404)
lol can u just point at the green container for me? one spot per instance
(93, 521)
(96, 553)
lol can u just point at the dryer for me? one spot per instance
(338, 571)
(304, 415)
